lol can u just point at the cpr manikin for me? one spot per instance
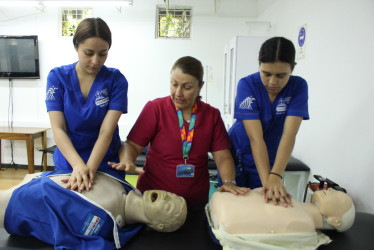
(125, 207)
(246, 222)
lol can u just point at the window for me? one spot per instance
(71, 17)
(173, 22)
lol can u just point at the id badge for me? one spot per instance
(185, 171)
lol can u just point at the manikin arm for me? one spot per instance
(6, 194)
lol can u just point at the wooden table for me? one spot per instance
(27, 134)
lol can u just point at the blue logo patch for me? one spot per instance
(92, 225)
(102, 98)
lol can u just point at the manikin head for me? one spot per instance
(336, 207)
(166, 211)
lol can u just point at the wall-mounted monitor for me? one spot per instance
(19, 57)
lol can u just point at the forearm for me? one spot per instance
(286, 144)
(130, 151)
(66, 147)
(284, 151)
(261, 158)
(225, 164)
(258, 147)
(104, 139)
(99, 150)
(226, 168)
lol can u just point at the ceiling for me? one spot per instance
(220, 8)
(224, 8)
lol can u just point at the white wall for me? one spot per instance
(144, 60)
(337, 142)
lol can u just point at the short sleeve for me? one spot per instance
(220, 139)
(118, 95)
(299, 103)
(145, 126)
(54, 92)
(246, 103)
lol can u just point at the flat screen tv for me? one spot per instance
(19, 57)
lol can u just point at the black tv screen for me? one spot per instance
(19, 57)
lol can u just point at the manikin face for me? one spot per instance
(92, 54)
(275, 76)
(164, 209)
(184, 89)
(159, 204)
(332, 203)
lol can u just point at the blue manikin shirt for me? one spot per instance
(252, 103)
(84, 118)
(64, 218)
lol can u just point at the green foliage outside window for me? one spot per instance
(174, 23)
(71, 17)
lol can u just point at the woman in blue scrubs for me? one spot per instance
(85, 101)
(269, 108)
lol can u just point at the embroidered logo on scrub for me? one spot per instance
(92, 225)
(247, 103)
(50, 93)
(102, 98)
(282, 105)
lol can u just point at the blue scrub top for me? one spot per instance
(252, 103)
(84, 117)
(64, 218)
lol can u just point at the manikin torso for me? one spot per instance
(114, 203)
(249, 214)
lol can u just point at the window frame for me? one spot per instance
(174, 9)
(61, 19)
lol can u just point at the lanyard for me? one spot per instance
(186, 138)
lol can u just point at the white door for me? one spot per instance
(240, 60)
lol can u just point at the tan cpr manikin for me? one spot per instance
(126, 208)
(247, 222)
